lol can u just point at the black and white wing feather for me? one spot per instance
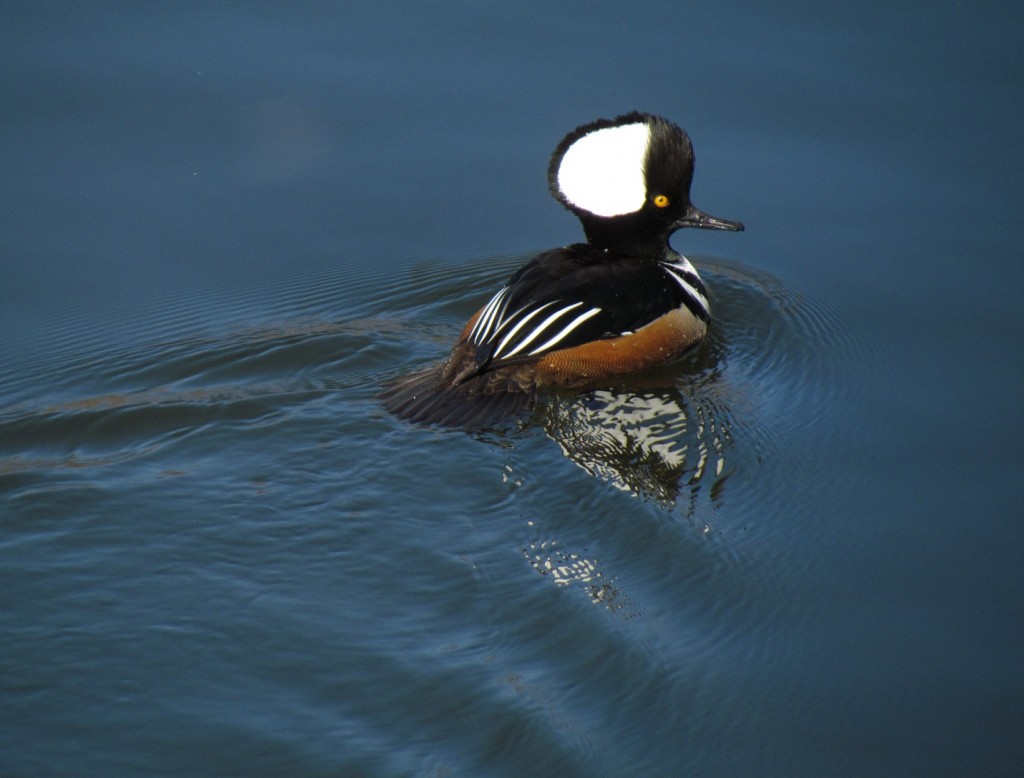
(532, 329)
(571, 296)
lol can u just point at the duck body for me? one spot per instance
(620, 303)
(579, 313)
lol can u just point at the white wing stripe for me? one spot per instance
(538, 330)
(514, 330)
(477, 335)
(479, 323)
(499, 315)
(568, 328)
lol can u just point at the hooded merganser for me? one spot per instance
(619, 303)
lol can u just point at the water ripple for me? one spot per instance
(676, 435)
(465, 564)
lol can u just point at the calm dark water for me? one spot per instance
(796, 553)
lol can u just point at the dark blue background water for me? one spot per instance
(223, 227)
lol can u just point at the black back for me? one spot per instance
(630, 292)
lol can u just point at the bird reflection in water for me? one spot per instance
(656, 444)
(667, 444)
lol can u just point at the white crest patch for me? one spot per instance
(603, 172)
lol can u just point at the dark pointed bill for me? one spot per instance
(694, 217)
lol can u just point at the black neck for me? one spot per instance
(631, 234)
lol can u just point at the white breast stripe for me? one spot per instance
(538, 330)
(568, 328)
(687, 286)
(681, 263)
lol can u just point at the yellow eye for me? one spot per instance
(660, 201)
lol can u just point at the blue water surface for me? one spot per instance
(224, 226)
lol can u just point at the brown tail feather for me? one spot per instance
(428, 397)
